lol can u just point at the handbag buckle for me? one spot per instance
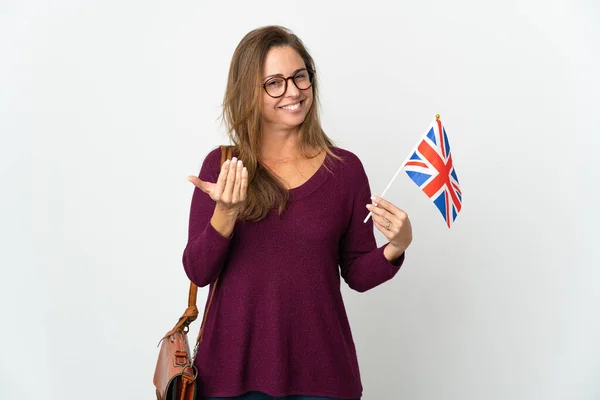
(181, 358)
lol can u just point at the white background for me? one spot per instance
(107, 106)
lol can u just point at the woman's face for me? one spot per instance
(289, 110)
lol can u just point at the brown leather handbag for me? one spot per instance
(175, 374)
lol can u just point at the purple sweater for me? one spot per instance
(277, 323)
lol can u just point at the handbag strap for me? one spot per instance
(226, 154)
(191, 312)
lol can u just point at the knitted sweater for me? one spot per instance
(278, 323)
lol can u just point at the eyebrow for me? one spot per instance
(281, 75)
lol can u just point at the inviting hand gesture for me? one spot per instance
(229, 192)
(394, 224)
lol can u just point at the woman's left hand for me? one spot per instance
(394, 224)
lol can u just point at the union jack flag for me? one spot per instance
(431, 168)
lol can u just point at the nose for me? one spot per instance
(291, 89)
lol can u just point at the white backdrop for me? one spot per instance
(107, 106)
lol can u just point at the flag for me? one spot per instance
(430, 167)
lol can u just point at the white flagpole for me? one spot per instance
(402, 166)
(393, 179)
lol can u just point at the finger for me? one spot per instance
(387, 233)
(377, 210)
(381, 220)
(228, 191)
(238, 182)
(384, 222)
(221, 181)
(200, 184)
(244, 186)
(386, 205)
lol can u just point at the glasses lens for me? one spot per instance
(303, 79)
(275, 86)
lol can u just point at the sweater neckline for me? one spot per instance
(313, 183)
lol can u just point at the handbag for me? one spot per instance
(175, 374)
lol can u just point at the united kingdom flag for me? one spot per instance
(431, 168)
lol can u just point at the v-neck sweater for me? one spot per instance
(278, 323)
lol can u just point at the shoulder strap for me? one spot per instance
(226, 154)
(191, 312)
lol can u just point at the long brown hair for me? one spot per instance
(241, 114)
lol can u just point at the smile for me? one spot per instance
(292, 107)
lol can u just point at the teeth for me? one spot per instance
(292, 107)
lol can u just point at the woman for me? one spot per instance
(279, 225)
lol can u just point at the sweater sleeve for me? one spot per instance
(206, 250)
(363, 265)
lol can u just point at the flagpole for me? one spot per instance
(437, 116)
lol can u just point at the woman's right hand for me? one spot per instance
(229, 192)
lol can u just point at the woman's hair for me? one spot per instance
(242, 116)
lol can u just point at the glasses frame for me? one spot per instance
(311, 76)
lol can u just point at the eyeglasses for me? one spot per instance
(276, 87)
